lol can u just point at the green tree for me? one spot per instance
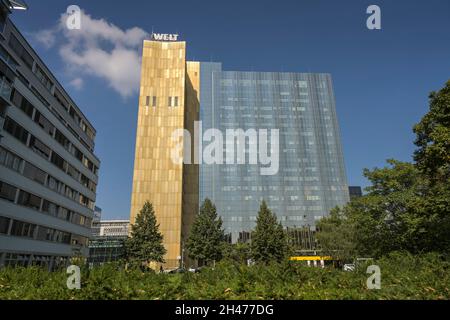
(336, 235)
(407, 205)
(433, 138)
(145, 244)
(269, 242)
(433, 161)
(205, 242)
(237, 252)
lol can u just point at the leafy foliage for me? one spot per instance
(433, 137)
(206, 238)
(337, 235)
(269, 241)
(238, 252)
(403, 276)
(407, 206)
(145, 243)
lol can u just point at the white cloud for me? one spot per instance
(98, 49)
(77, 83)
(45, 37)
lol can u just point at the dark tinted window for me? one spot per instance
(44, 123)
(17, 47)
(22, 229)
(39, 147)
(58, 161)
(34, 173)
(7, 191)
(15, 130)
(4, 225)
(50, 208)
(29, 200)
(62, 140)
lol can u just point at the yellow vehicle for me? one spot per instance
(314, 260)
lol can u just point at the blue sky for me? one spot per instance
(382, 78)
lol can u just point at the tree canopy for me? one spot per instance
(407, 205)
(269, 241)
(205, 242)
(145, 244)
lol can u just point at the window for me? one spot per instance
(58, 161)
(71, 171)
(22, 229)
(92, 186)
(76, 218)
(44, 123)
(65, 238)
(45, 234)
(4, 225)
(37, 146)
(62, 140)
(77, 153)
(34, 173)
(50, 208)
(151, 101)
(173, 101)
(84, 180)
(84, 200)
(64, 214)
(7, 191)
(23, 79)
(15, 130)
(26, 107)
(43, 78)
(18, 48)
(78, 240)
(90, 133)
(39, 96)
(88, 222)
(29, 200)
(60, 98)
(54, 184)
(7, 57)
(74, 115)
(69, 192)
(3, 154)
(11, 160)
(17, 100)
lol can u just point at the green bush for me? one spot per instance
(403, 276)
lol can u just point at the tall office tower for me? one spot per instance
(168, 101)
(311, 178)
(307, 181)
(48, 170)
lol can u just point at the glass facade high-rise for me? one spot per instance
(310, 177)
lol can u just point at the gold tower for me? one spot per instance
(168, 100)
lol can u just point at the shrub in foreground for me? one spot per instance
(403, 276)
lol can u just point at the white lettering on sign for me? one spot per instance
(164, 37)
